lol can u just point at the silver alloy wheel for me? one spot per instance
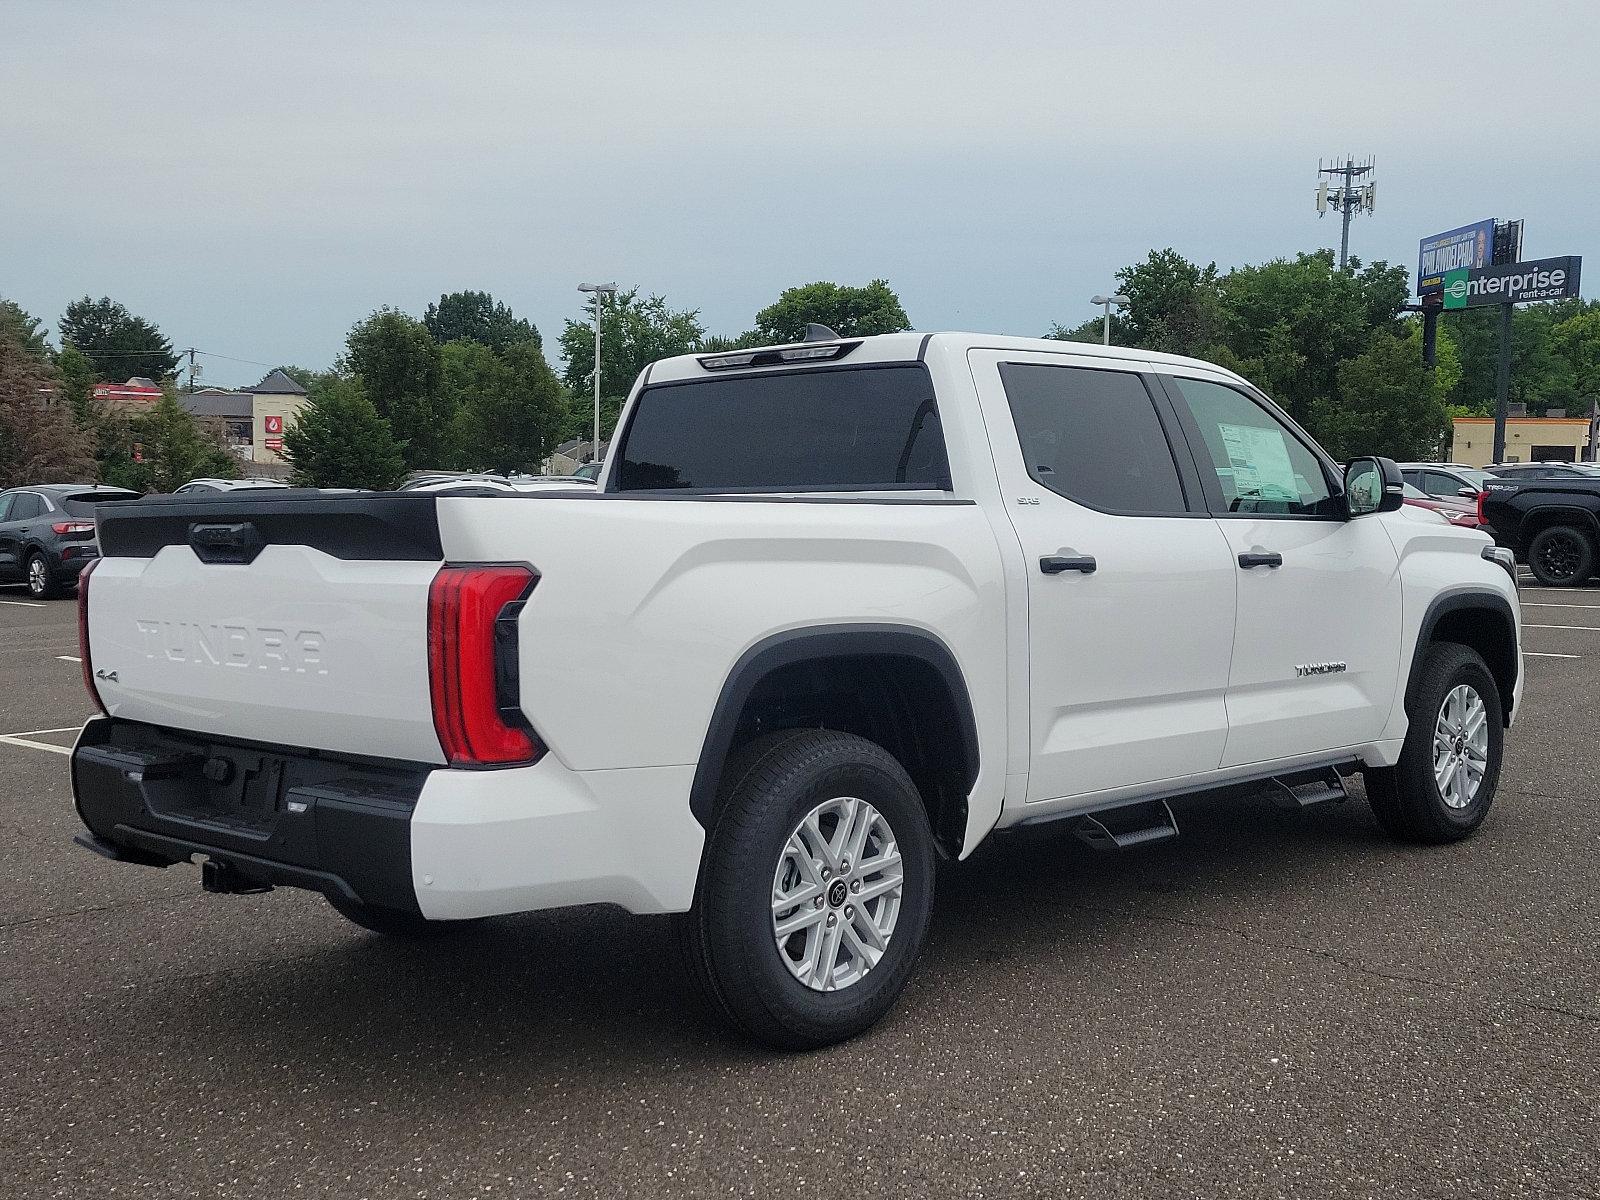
(836, 894)
(1461, 746)
(36, 575)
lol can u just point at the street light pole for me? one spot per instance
(1120, 301)
(598, 290)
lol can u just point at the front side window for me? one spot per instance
(1437, 483)
(1260, 466)
(1093, 436)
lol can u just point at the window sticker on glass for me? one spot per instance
(1261, 466)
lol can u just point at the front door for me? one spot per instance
(1130, 582)
(1317, 646)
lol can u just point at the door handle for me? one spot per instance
(1270, 558)
(1055, 564)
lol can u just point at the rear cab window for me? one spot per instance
(83, 504)
(846, 429)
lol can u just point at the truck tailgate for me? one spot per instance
(298, 621)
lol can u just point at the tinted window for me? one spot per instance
(848, 430)
(1261, 466)
(25, 505)
(5, 506)
(1093, 436)
(1436, 483)
(84, 503)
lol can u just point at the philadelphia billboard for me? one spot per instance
(1469, 247)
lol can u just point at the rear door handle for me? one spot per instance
(1055, 564)
(1270, 558)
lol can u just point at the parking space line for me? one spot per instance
(1543, 654)
(27, 733)
(1584, 628)
(24, 603)
(68, 658)
(27, 745)
(1553, 604)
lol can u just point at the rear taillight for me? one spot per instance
(1481, 495)
(62, 528)
(472, 665)
(83, 632)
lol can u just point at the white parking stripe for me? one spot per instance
(1551, 604)
(68, 658)
(24, 603)
(27, 733)
(1585, 628)
(27, 745)
(1525, 654)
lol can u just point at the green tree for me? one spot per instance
(173, 447)
(848, 311)
(1092, 330)
(479, 317)
(340, 440)
(77, 384)
(398, 363)
(1577, 341)
(119, 344)
(633, 334)
(23, 327)
(1387, 403)
(1176, 305)
(1306, 312)
(510, 408)
(39, 443)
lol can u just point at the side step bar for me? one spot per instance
(1144, 820)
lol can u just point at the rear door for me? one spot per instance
(1317, 648)
(1130, 585)
(8, 550)
(16, 524)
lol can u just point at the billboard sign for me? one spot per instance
(1513, 283)
(1470, 246)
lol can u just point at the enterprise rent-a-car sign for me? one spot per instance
(1513, 283)
(1470, 246)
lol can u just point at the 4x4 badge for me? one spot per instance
(108, 676)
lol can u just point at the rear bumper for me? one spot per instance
(446, 844)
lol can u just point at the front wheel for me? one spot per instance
(1441, 789)
(1561, 556)
(815, 892)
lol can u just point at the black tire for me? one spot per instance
(392, 922)
(727, 939)
(44, 581)
(1406, 798)
(1561, 556)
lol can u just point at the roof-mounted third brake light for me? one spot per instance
(814, 350)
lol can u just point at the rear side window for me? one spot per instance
(1093, 436)
(24, 506)
(860, 429)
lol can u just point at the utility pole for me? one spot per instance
(1345, 197)
(599, 291)
(194, 369)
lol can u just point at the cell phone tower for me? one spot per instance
(1353, 192)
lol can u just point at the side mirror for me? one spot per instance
(1467, 493)
(1372, 485)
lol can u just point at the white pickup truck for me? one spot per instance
(836, 610)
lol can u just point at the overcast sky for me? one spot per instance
(255, 178)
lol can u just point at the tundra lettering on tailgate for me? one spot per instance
(303, 651)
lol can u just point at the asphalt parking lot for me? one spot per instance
(1275, 1004)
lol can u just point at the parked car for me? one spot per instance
(47, 533)
(590, 470)
(843, 608)
(212, 486)
(1546, 470)
(1453, 509)
(1552, 523)
(1450, 481)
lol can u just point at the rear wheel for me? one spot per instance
(44, 582)
(1441, 789)
(815, 892)
(1561, 556)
